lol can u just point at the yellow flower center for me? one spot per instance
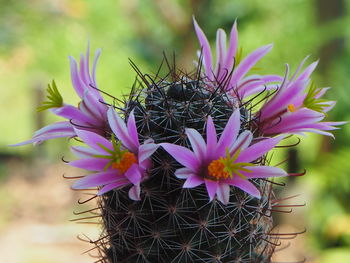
(291, 108)
(226, 167)
(119, 158)
(217, 169)
(125, 162)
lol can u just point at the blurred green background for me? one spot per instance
(36, 37)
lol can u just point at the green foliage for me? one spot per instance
(312, 102)
(330, 209)
(54, 97)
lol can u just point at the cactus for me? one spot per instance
(180, 165)
(173, 224)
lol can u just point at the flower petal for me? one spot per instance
(90, 164)
(94, 140)
(245, 185)
(112, 186)
(55, 130)
(223, 193)
(91, 105)
(264, 172)
(211, 188)
(133, 174)
(72, 113)
(242, 142)
(183, 155)
(197, 142)
(232, 48)
(259, 149)
(220, 53)
(229, 134)
(132, 129)
(211, 137)
(183, 173)
(247, 63)
(96, 179)
(97, 55)
(76, 81)
(83, 152)
(193, 181)
(206, 52)
(308, 71)
(119, 128)
(134, 192)
(145, 151)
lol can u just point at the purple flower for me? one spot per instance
(91, 114)
(297, 106)
(117, 163)
(228, 72)
(222, 163)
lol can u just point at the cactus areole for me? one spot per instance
(181, 166)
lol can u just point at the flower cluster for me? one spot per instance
(221, 159)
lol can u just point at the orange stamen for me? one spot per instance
(127, 160)
(291, 108)
(217, 169)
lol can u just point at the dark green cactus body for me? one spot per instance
(172, 224)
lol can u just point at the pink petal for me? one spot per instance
(330, 106)
(76, 81)
(285, 96)
(220, 53)
(84, 71)
(211, 137)
(90, 164)
(259, 149)
(94, 140)
(57, 127)
(96, 179)
(133, 174)
(134, 192)
(83, 152)
(95, 106)
(183, 155)
(145, 151)
(112, 186)
(206, 52)
(211, 188)
(193, 181)
(242, 142)
(295, 120)
(264, 172)
(229, 134)
(72, 113)
(132, 129)
(247, 63)
(55, 130)
(232, 49)
(321, 92)
(121, 131)
(301, 132)
(197, 142)
(97, 55)
(245, 185)
(308, 71)
(223, 193)
(250, 87)
(183, 173)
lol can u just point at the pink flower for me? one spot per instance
(91, 114)
(228, 72)
(222, 163)
(295, 108)
(117, 163)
